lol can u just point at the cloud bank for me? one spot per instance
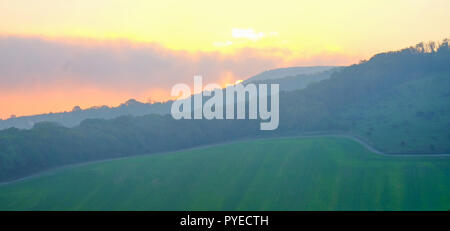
(33, 68)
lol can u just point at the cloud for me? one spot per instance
(25, 61)
(222, 44)
(246, 34)
(125, 68)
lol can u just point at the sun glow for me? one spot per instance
(305, 26)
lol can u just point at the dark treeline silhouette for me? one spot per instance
(365, 99)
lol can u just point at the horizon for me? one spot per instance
(167, 97)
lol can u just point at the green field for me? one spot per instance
(277, 174)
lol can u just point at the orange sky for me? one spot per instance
(57, 54)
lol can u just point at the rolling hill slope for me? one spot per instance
(288, 71)
(277, 174)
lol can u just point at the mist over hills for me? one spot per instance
(289, 79)
(74, 117)
(398, 102)
(297, 82)
(288, 71)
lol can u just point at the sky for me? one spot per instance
(56, 54)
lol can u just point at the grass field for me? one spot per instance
(277, 174)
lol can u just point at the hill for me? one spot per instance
(298, 82)
(288, 71)
(397, 101)
(277, 174)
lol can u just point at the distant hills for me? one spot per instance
(295, 78)
(299, 81)
(289, 71)
(74, 117)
